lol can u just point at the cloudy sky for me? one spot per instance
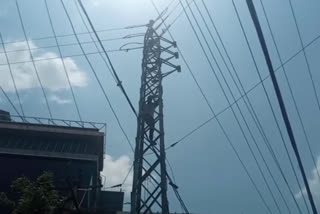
(209, 174)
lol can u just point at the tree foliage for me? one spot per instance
(38, 197)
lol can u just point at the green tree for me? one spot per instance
(38, 197)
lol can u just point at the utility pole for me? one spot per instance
(149, 189)
(280, 100)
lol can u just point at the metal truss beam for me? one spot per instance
(149, 191)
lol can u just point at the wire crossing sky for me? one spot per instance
(224, 134)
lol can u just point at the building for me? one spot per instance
(73, 151)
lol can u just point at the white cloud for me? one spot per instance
(59, 100)
(115, 171)
(51, 72)
(314, 183)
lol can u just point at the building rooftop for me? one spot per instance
(53, 138)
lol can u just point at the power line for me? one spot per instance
(32, 59)
(222, 128)
(100, 53)
(80, 33)
(280, 101)
(127, 175)
(173, 184)
(269, 101)
(305, 55)
(242, 96)
(89, 32)
(170, 3)
(62, 61)
(225, 94)
(200, 90)
(11, 103)
(248, 106)
(252, 113)
(166, 159)
(119, 83)
(97, 78)
(251, 89)
(129, 36)
(290, 89)
(179, 15)
(282, 64)
(171, 171)
(166, 9)
(178, 196)
(69, 44)
(12, 77)
(73, 55)
(313, 85)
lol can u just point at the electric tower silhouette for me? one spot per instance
(149, 190)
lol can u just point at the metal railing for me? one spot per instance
(56, 122)
(102, 127)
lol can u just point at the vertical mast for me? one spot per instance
(149, 190)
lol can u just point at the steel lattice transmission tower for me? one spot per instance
(149, 191)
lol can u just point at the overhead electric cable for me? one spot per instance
(119, 83)
(100, 53)
(170, 3)
(97, 78)
(222, 128)
(171, 170)
(269, 102)
(62, 60)
(173, 184)
(313, 86)
(32, 59)
(178, 196)
(305, 55)
(291, 91)
(251, 110)
(281, 103)
(127, 175)
(73, 55)
(179, 15)
(11, 74)
(80, 33)
(242, 96)
(226, 96)
(120, 48)
(11, 103)
(69, 44)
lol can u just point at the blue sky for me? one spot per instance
(210, 177)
